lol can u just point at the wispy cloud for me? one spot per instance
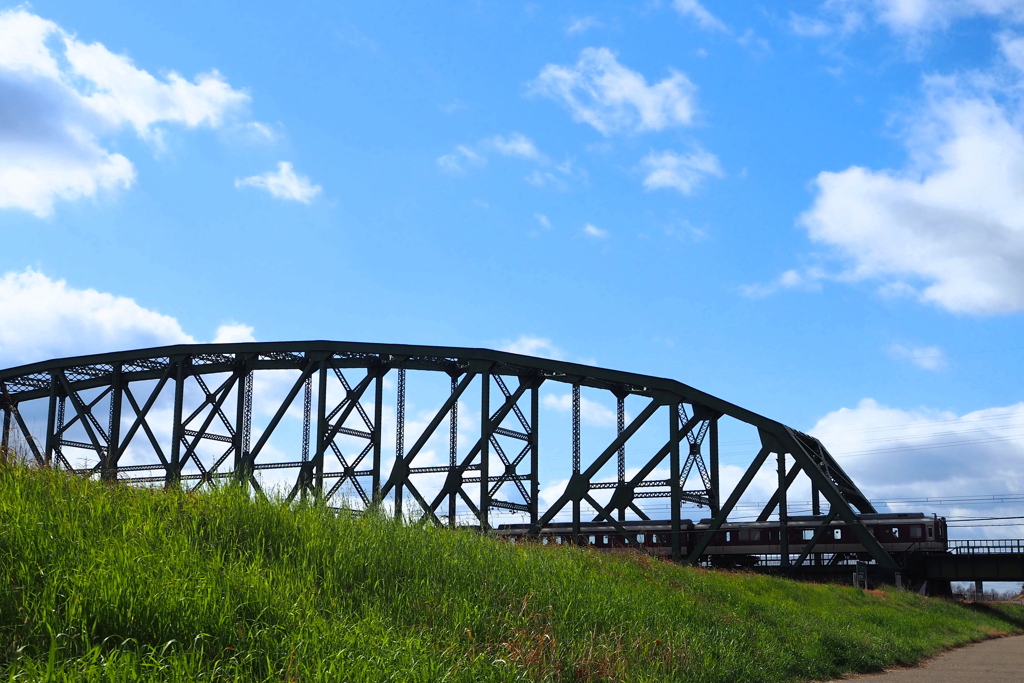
(515, 145)
(283, 183)
(529, 345)
(462, 158)
(682, 172)
(612, 98)
(595, 232)
(465, 156)
(925, 357)
(807, 280)
(696, 11)
(581, 25)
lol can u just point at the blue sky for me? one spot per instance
(814, 210)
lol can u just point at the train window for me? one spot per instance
(931, 532)
(558, 540)
(807, 534)
(895, 532)
(728, 536)
(837, 534)
(744, 534)
(639, 538)
(606, 540)
(773, 535)
(544, 541)
(916, 532)
(593, 540)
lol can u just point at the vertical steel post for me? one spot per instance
(453, 451)
(307, 416)
(378, 413)
(321, 428)
(485, 448)
(715, 497)
(534, 454)
(816, 510)
(783, 513)
(177, 429)
(676, 489)
(400, 441)
(51, 419)
(5, 439)
(108, 471)
(241, 466)
(621, 456)
(575, 459)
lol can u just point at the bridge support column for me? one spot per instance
(378, 414)
(173, 476)
(108, 470)
(675, 492)
(783, 514)
(715, 499)
(5, 439)
(534, 454)
(486, 429)
(575, 460)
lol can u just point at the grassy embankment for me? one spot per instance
(109, 583)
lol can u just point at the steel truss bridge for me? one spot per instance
(184, 416)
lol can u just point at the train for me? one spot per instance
(746, 543)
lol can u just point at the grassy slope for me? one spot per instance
(113, 583)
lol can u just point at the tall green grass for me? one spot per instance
(111, 583)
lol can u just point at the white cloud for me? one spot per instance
(907, 16)
(283, 184)
(679, 172)
(233, 333)
(925, 357)
(591, 412)
(466, 156)
(544, 221)
(808, 26)
(581, 25)
(696, 11)
(515, 145)
(528, 345)
(462, 157)
(949, 227)
(591, 230)
(63, 97)
(893, 453)
(45, 318)
(1012, 48)
(602, 93)
(807, 280)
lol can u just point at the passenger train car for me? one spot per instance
(744, 541)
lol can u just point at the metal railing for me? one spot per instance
(986, 546)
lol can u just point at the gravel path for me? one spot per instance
(993, 661)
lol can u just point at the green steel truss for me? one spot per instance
(183, 416)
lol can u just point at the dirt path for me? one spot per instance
(993, 661)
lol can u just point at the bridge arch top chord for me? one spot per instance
(103, 409)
